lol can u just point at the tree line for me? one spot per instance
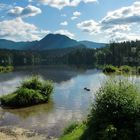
(124, 53)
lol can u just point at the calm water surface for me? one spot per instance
(70, 102)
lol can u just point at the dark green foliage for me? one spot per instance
(125, 69)
(9, 68)
(109, 69)
(22, 97)
(31, 92)
(115, 114)
(6, 68)
(138, 70)
(33, 83)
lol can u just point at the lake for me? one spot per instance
(69, 102)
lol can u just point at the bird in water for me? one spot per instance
(87, 89)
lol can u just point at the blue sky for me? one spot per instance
(94, 20)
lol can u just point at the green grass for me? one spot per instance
(73, 132)
(31, 92)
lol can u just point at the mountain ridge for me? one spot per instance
(50, 41)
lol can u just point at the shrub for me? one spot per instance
(6, 68)
(47, 88)
(9, 68)
(32, 83)
(138, 70)
(125, 69)
(116, 113)
(32, 91)
(109, 69)
(1, 69)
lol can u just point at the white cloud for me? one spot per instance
(24, 12)
(65, 23)
(121, 24)
(124, 15)
(18, 30)
(89, 26)
(76, 14)
(30, 0)
(63, 3)
(73, 18)
(65, 32)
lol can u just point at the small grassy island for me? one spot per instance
(31, 92)
(119, 69)
(6, 69)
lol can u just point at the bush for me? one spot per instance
(32, 91)
(125, 69)
(6, 68)
(138, 70)
(32, 83)
(115, 114)
(109, 69)
(1, 69)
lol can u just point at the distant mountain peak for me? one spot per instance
(55, 41)
(55, 36)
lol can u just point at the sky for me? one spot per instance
(93, 20)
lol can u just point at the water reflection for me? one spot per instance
(24, 113)
(69, 101)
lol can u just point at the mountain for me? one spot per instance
(90, 44)
(7, 44)
(55, 41)
(51, 41)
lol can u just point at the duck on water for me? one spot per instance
(87, 89)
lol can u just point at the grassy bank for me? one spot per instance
(120, 69)
(73, 132)
(6, 69)
(31, 92)
(115, 114)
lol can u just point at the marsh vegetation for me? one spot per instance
(115, 114)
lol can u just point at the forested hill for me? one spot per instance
(7, 44)
(51, 41)
(124, 53)
(90, 44)
(55, 41)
